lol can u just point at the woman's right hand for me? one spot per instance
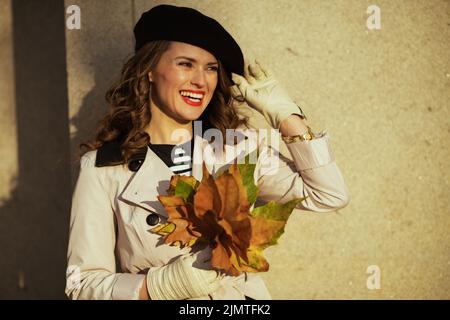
(179, 280)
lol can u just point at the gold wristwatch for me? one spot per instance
(309, 135)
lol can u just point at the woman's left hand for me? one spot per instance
(265, 94)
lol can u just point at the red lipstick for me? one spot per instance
(192, 102)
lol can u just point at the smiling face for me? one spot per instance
(184, 81)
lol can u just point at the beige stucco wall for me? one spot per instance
(8, 143)
(94, 59)
(382, 95)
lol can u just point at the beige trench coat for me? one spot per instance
(109, 242)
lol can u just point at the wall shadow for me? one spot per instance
(34, 221)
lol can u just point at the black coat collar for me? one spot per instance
(109, 154)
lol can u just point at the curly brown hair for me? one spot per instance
(129, 103)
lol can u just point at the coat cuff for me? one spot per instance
(127, 286)
(312, 153)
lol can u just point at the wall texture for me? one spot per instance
(8, 140)
(382, 95)
(34, 217)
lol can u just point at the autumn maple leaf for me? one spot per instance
(216, 212)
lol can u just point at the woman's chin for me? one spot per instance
(190, 116)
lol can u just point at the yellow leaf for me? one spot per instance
(257, 262)
(163, 229)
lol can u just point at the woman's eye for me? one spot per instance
(188, 64)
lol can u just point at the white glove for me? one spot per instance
(179, 280)
(264, 93)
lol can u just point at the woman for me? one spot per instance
(179, 75)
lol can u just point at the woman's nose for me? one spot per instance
(199, 78)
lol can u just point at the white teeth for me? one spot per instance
(192, 95)
(195, 100)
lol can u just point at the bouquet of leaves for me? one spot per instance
(216, 212)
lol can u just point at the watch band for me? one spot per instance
(309, 135)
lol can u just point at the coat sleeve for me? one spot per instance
(91, 272)
(313, 173)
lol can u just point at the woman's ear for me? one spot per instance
(150, 78)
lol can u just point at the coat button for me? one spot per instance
(134, 165)
(152, 219)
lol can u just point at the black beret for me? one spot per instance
(167, 22)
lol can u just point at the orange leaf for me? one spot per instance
(229, 195)
(171, 201)
(181, 232)
(220, 259)
(243, 194)
(264, 230)
(207, 197)
(216, 212)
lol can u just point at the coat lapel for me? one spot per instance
(151, 180)
(153, 177)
